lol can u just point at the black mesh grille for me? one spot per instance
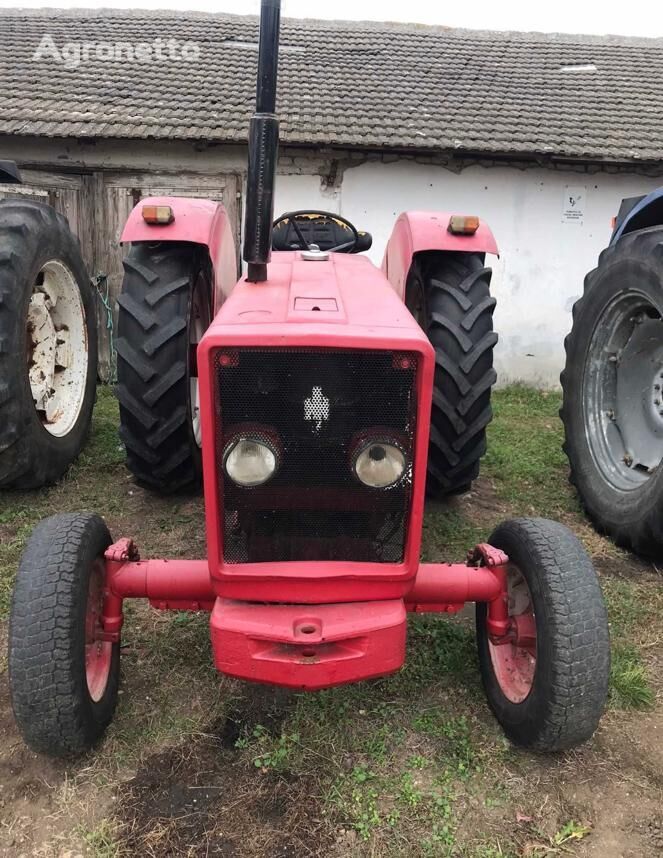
(314, 407)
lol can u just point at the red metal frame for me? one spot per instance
(308, 645)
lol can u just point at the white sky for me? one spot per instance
(564, 16)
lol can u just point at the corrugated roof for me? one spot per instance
(353, 84)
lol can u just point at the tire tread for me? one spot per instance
(47, 684)
(459, 311)
(578, 646)
(153, 381)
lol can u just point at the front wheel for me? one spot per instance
(63, 676)
(548, 690)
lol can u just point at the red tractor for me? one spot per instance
(317, 397)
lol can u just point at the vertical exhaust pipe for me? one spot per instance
(263, 148)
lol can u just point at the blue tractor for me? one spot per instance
(613, 382)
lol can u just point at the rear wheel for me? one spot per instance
(548, 684)
(613, 393)
(63, 676)
(48, 346)
(449, 295)
(165, 308)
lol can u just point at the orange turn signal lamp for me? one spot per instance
(463, 224)
(158, 215)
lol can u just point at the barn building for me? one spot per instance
(540, 135)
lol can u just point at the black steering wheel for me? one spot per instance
(301, 216)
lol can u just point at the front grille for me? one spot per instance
(314, 406)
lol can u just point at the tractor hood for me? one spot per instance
(325, 302)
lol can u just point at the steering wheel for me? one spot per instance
(303, 244)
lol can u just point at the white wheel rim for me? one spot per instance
(195, 411)
(57, 349)
(197, 326)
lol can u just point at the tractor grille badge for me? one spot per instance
(316, 408)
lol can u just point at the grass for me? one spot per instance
(101, 841)
(525, 461)
(632, 609)
(413, 764)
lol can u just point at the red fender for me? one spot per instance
(415, 232)
(198, 221)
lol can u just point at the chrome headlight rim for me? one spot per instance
(252, 438)
(384, 441)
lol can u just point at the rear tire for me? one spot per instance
(568, 687)
(61, 707)
(165, 304)
(613, 409)
(449, 295)
(48, 341)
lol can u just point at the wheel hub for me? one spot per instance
(514, 659)
(57, 352)
(623, 391)
(639, 404)
(98, 652)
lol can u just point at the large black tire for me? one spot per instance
(604, 419)
(54, 709)
(154, 362)
(449, 295)
(570, 683)
(32, 235)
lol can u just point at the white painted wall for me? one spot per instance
(543, 260)
(298, 192)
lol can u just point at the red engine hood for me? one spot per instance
(353, 299)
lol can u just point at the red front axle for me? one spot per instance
(303, 645)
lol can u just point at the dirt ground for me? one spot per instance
(415, 764)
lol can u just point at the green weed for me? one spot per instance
(101, 841)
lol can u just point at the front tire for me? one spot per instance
(48, 346)
(549, 693)
(63, 678)
(613, 405)
(164, 309)
(449, 295)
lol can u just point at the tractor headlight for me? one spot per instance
(379, 464)
(249, 461)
